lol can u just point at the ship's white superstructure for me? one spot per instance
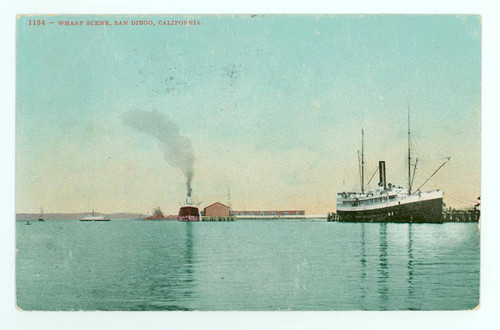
(94, 217)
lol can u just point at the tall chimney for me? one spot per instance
(381, 172)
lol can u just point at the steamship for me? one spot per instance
(94, 217)
(188, 212)
(389, 203)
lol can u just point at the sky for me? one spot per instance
(273, 106)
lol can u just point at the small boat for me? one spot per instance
(40, 218)
(94, 217)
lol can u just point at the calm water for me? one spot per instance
(246, 265)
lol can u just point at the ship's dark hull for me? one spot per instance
(188, 218)
(188, 214)
(429, 211)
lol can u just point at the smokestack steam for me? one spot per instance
(177, 149)
(188, 198)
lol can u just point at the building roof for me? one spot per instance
(217, 203)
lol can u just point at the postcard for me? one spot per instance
(248, 162)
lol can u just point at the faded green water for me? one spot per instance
(246, 265)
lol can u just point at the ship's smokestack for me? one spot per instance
(381, 171)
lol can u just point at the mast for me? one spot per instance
(229, 199)
(409, 154)
(414, 170)
(362, 161)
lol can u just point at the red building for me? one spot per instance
(217, 210)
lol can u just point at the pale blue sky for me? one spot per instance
(274, 106)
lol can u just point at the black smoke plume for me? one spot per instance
(177, 149)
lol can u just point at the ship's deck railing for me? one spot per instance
(369, 195)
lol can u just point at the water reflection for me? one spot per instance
(162, 266)
(169, 274)
(410, 264)
(363, 264)
(189, 267)
(383, 272)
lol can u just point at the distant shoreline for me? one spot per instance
(74, 216)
